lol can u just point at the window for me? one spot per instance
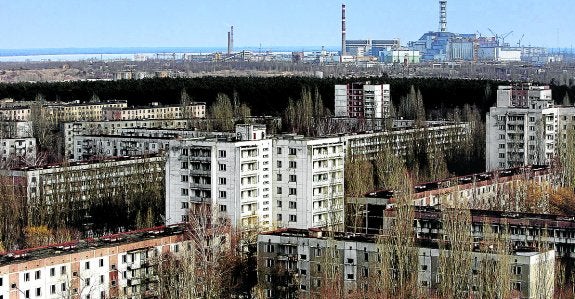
(52, 271)
(279, 150)
(292, 164)
(424, 267)
(62, 270)
(185, 218)
(223, 208)
(270, 248)
(350, 261)
(222, 167)
(185, 205)
(185, 178)
(517, 286)
(184, 165)
(223, 194)
(303, 257)
(37, 274)
(53, 289)
(279, 177)
(184, 152)
(222, 154)
(124, 258)
(63, 287)
(27, 294)
(87, 265)
(292, 191)
(185, 191)
(502, 136)
(26, 276)
(502, 145)
(279, 191)
(350, 276)
(279, 164)
(501, 155)
(292, 205)
(280, 217)
(517, 270)
(101, 279)
(87, 281)
(101, 262)
(222, 181)
(292, 178)
(292, 151)
(292, 218)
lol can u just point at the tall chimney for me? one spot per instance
(343, 50)
(229, 43)
(443, 15)
(232, 40)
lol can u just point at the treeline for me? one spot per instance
(263, 95)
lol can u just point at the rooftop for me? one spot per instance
(89, 244)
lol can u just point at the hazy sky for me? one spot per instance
(196, 23)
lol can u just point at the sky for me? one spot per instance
(270, 23)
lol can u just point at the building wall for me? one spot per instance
(15, 152)
(116, 270)
(306, 258)
(72, 129)
(362, 100)
(525, 127)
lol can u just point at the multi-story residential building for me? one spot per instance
(362, 100)
(15, 129)
(116, 128)
(302, 177)
(75, 111)
(133, 142)
(193, 110)
(503, 190)
(308, 182)
(294, 262)
(113, 266)
(435, 135)
(17, 152)
(234, 175)
(67, 192)
(525, 127)
(15, 113)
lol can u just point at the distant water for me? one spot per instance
(74, 54)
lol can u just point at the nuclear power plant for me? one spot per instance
(439, 46)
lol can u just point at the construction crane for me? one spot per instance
(519, 42)
(500, 37)
(504, 37)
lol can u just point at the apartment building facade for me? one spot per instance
(15, 129)
(113, 266)
(68, 191)
(234, 175)
(526, 127)
(114, 128)
(308, 182)
(306, 259)
(193, 110)
(15, 152)
(362, 100)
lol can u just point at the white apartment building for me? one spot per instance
(15, 129)
(113, 266)
(193, 110)
(133, 142)
(17, 152)
(308, 182)
(354, 261)
(15, 113)
(362, 100)
(234, 175)
(68, 190)
(116, 128)
(525, 127)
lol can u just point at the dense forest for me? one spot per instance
(263, 95)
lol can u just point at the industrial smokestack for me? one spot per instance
(443, 15)
(229, 43)
(343, 50)
(232, 40)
